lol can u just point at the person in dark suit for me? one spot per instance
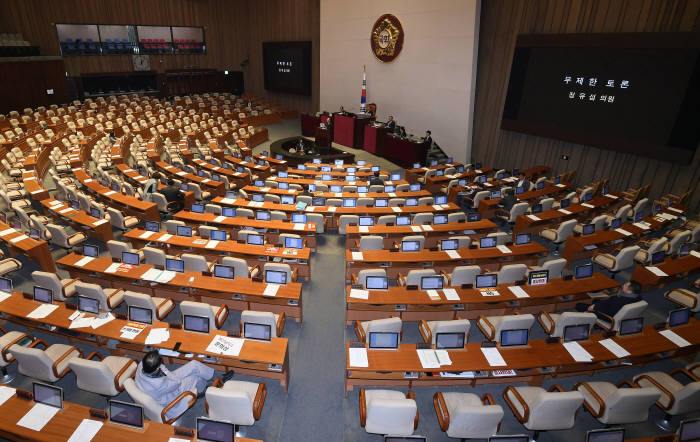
(523, 181)
(508, 201)
(428, 139)
(391, 124)
(375, 180)
(173, 194)
(630, 293)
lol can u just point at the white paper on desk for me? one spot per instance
(427, 228)
(224, 345)
(363, 229)
(673, 337)
(332, 208)
(227, 201)
(590, 206)
(493, 356)
(84, 260)
(99, 322)
(560, 185)
(181, 173)
(427, 358)
(674, 209)
(437, 207)
(624, 232)
(55, 203)
(157, 335)
(81, 322)
(534, 217)
(614, 348)
(36, 191)
(451, 294)
(206, 180)
(518, 291)
(146, 234)
(111, 192)
(165, 237)
(6, 393)
(695, 253)
(504, 249)
(361, 194)
(338, 194)
(359, 293)
(177, 439)
(211, 244)
(433, 295)
(4, 296)
(641, 226)
(453, 254)
(655, 270)
(357, 256)
(99, 222)
(151, 275)
(112, 268)
(271, 290)
(38, 416)
(416, 228)
(165, 276)
(443, 357)
(128, 332)
(667, 216)
(577, 352)
(42, 311)
(310, 208)
(396, 209)
(220, 218)
(357, 357)
(87, 429)
(488, 184)
(7, 232)
(564, 211)
(18, 238)
(299, 226)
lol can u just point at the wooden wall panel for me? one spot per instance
(24, 83)
(283, 20)
(503, 20)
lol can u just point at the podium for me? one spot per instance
(323, 137)
(375, 139)
(348, 130)
(405, 152)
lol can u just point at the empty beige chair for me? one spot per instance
(685, 298)
(8, 265)
(274, 320)
(48, 365)
(599, 223)
(677, 241)
(116, 248)
(675, 399)
(241, 269)
(159, 307)
(238, 402)
(60, 237)
(7, 341)
(120, 221)
(361, 277)
(542, 410)
(621, 213)
(422, 218)
(554, 266)
(492, 326)
(387, 325)
(196, 263)
(560, 234)
(61, 288)
(466, 416)
(615, 263)
(463, 275)
(644, 255)
(109, 298)
(613, 405)
(155, 257)
(344, 220)
(628, 311)
(104, 376)
(156, 412)
(414, 277)
(511, 273)
(419, 238)
(371, 242)
(430, 329)
(547, 203)
(386, 219)
(501, 237)
(388, 412)
(291, 273)
(554, 324)
(216, 315)
(482, 195)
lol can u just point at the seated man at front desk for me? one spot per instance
(391, 124)
(172, 193)
(508, 201)
(609, 306)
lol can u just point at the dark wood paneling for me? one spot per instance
(503, 20)
(24, 84)
(283, 20)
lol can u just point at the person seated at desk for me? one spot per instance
(630, 293)
(391, 124)
(508, 201)
(305, 191)
(375, 180)
(151, 186)
(523, 181)
(173, 194)
(153, 378)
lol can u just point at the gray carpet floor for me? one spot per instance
(315, 409)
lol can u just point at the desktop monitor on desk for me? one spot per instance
(583, 271)
(140, 314)
(349, 202)
(278, 157)
(638, 217)
(564, 203)
(435, 282)
(263, 215)
(377, 283)
(123, 413)
(416, 165)
(5, 285)
(301, 167)
(487, 242)
(174, 265)
(678, 317)
(217, 235)
(689, 430)
(383, 340)
(523, 238)
(47, 395)
(685, 249)
(362, 189)
(152, 226)
(403, 220)
(200, 173)
(231, 194)
(95, 212)
(578, 332)
(495, 194)
(222, 271)
(557, 180)
(460, 169)
(658, 257)
(184, 187)
(395, 177)
(293, 243)
(34, 234)
(42, 294)
(366, 220)
(275, 277)
(414, 187)
(287, 199)
(381, 202)
(410, 246)
(449, 244)
(209, 430)
(116, 187)
(411, 202)
(440, 219)
(88, 305)
(326, 177)
(615, 223)
(92, 251)
(449, 341)
(606, 435)
(318, 201)
(335, 188)
(184, 231)
(515, 337)
(351, 178)
(374, 168)
(325, 168)
(490, 280)
(316, 161)
(519, 190)
(260, 332)
(540, 185)
(338, 163)
(537, 208)
(433, 163)
(500, 175)
(538, 277)
(473, 217)
(299, 218)
(256, 240)
(351, 169)
(258, 198)
(481, 179)
(389, 188)
(282, 185)
(259, 183)
(631, 326)
(199, 324)
(588, 196)
(282, 174)
(312, 188)
(588, 229)
(131, 258)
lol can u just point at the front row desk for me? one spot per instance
(533, 363)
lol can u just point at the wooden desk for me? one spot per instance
(339, 182)
(533, 364)
(412, 174)
(137, 180)
(238, 294)
(274, 162)
(675, 268)
(236, 179)
(309, 123)
(37, 251)
(375, 139)
(100, 229)
(322, 137)
(295, 192)
(403, 151)
(260, 170)
(401, 262)
(348, 130)
(414, 305)
(216, 188)
(34, 187)
(434, 183)
(254, 358)
(251, 253)
(489, 206)
(337, 175)
(475, 230)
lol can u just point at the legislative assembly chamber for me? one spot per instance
(319, 220)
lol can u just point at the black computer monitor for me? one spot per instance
(42, 294)
(410, 246)
(481, 179)
(377, 283)
(254, 239)
(184, 231)
(431, 282)
(412, 438)
(500, 175)
(351, 169)
(228, 211)
(140, 314)
(440, 219)
(116, 187)
(258, 198)
(222, 271)
(440, 199)
(538, 277)
(449, 244)
(349, 202)
(656, 209)
(557, 180)
(362, 189)
(615, 223)
(252, 330)
(578, 332)
(263, 215)
(88, 305)
(606, 435)
(449, 340)
(414, 187)
(511, 338)
(487, 242)
(194, 323)
(366, 220)
(282, 185)
(299, 218)
(495, 194)
(473, 217)
(259, 183)
(316, 161)
(95, 212)
(638, 217)
(153, 226)
(200, 173)
(605, 191)
(175, 265)
(326, 177)
(631, 326)
(689, 430)
(487, 281)
(658, 257)
(588, 196)
(564, 203)
(509, 439)
(389, 188)
(217, 235)
(519, 190)
(523, 238)
(411, 202)
(537, 208)
(403, 220)
(210, 430)
(123, 413)
(197, 208)
(282, 174)
(318, 201)
(685, 249)
(395, 177)
(34, 234)
(293, 243)
(678, 317)
(231, 194)
(416, 165)
(588, 229)
(275, 277)
(131, 258)
(383, 340)
(89, 250)
(433, 162)
(381, 202)
(184, 187)
(374, 168)
(540, 185)
(47, 395)
(5, 285)
(583, 271)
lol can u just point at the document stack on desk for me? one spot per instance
(453, 254)
(6, 393)
(614, 348)
(358, 357)
(131, 330)
(577, 352)
(451, 294)
(224, 345)
(157, 335)
(156, 275)
(38, 416)
(357, 256)
(504, 249)
(42, 311)
(430, 358)
(433, 295)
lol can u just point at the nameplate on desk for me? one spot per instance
(673, 337)
(614, 348)
(271, 290)
(146, 234)
(100, 222)
(396, 209)
(7, 232)
(84, 260)
(416, 229)
(69, 209)
(332, 208)
(493, 356)
(623, 232)
(564, 211)
(518, 291)
(534, 217)
(672, 209)
(590, 206)
(427, 228)
(453, 254)
(656, 271)
(18, 238)
(577, 352)
(165, 237)
(504, 249)
(227, 201)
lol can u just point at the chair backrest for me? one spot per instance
(160, 201)
(58, 235)
(687, 399)
(344, 220)
(371, 242)
(279, 267)
(388, 325)
(473, 419)
(93, 376)
(230, 404)
(34, 362)
(517, 209)
(464, 275)
(414, 276)
(198, 309)
(93, 291)
(49, 280)
(572, 318)
(554, 410)
(628, 311)
(456, 217)
(629, 405)
(463, 241)
(317, 219)
(565, 229)
(676, 242)
(419, 238)
(512, 322)
(623, 212)
(171, 226)
(422, 218)
(641, 207)
(142, 300)
(625, 258)
(153, 256)
(244, 213)
(501, 237)
(194, 263)
(547, 203)
(117, 247)
(656, 246)
(363, 274)
(151, 408)
(451, 326)
(240, 267)
(555, 267)
(391, 416)
(265, 318)
(599, 222)
(479, 196)
(511, 272)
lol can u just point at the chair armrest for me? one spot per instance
(121, 372)
(218, 383)
(425, 331)
(487, 399)
(544, 313)
(10, 344)
(259, 400)
(556, 387)
(400, 279)
(363, 408)
(441, 411)
(2, 329)
(526, 410)
(359, 332)
(54, 368)
(250, 271)
(63, 287)
(411, 395)
(589, 407)
(94, 354)
(490, 335)
(684, 371)
(612, 320)
(693, 299)
(165, 301)
(671, 398)
(37, 342)
(295, 273)
(109, 299)
(447, 277)
(174, 402)
(354, 280)
(280, 323)
(221, 317)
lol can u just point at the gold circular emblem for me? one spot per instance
(386, 39)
